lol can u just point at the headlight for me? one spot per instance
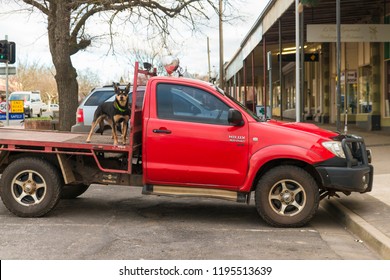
(335, 148)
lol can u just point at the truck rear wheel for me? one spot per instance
(30, 187)
(287, 196)
(73, 191)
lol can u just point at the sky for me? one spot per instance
(29, 32)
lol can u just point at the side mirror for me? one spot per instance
(235, 117)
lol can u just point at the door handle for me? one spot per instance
(164, 131)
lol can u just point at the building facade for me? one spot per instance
(263, 71)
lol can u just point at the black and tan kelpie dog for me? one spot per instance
(114, 113)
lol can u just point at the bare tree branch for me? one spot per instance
(37, 5)
(68, 33)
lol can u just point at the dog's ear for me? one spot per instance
(115, 85)
(128, 88)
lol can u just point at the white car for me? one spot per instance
(54, 107)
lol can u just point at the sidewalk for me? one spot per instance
(12, 124)
(368, 215)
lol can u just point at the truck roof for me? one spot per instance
(181, 80)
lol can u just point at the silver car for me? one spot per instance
(87, 107)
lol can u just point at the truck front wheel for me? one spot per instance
(287, 196)
(30, 187)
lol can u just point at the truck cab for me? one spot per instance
(197, 136)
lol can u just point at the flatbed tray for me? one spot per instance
(56, 139)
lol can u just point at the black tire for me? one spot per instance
(30, 187)
(40, 113)
(29, 115)
(73, 191)
(287, 196)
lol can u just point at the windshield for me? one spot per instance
(238, 103)
(20, 96)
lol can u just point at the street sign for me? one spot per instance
(17, 106)
(260, 112)
(3, 107)
(11, 70)
(16, 110)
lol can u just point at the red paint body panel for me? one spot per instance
(194, 153)
(205, 155)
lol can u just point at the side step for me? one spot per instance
(196, 192)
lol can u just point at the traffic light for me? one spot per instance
(11, 52)
(3, 51)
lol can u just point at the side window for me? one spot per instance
(98, 97)
(35, 98)
(183, 103)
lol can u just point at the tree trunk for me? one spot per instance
(66, 75)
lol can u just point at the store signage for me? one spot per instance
(309, 57)
(349, 33)
(352, 77)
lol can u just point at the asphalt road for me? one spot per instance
(116, 222)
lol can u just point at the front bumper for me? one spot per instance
(80, 128)
(356, 179)
(356, 174)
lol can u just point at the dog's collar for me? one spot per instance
(119, 108)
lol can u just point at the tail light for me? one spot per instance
(80, 115)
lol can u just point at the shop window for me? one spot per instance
(351, 92)
(289, 85)
(250, 101)
(365, 97)
(276, 94)
(342, 91)
(348, 89)
(387, 92)
(387, 44)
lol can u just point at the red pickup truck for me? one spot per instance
(189, 138)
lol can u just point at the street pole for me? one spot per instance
(269, 65)
(338, 90)
(221, 85)
(6, 90)
(208, 57)
(302, 65)
(297, 64)
(280, 70)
